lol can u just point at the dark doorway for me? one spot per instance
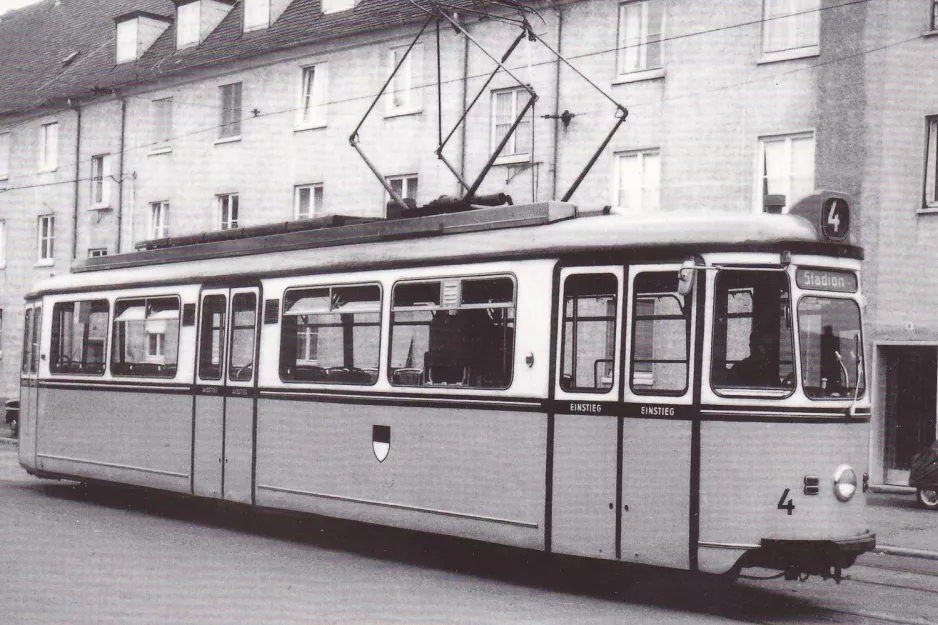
(910, 391)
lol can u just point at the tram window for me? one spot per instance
(453, 332)
(243, 320)
(331, 335)
(146, 337)
(27, 339)
(79, 336)
(831, 348)
(211, 341)
(661, 334)
(752, 334)
(34, 345)
(589, 332)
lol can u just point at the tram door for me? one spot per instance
(29, 386)
(657, 418)
(225, 389)
(586, 429)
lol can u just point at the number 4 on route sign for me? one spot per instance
(835, 218)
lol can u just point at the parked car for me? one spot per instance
(924, 476)
(13, 416)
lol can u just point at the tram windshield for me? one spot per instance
(752, 334)
(831, 348)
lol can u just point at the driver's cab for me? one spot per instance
(787, 331)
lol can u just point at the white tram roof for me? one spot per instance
(695, 232)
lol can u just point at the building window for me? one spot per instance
(314, 96)
(227, 211)
(230, 122)
(159, 220)
(934, 15)
(785, 167)
(506, 105)
(46, 239)
(334, 6)
(5, 145)
(187, 24)
(930, 196)
(404, 186)
(49, 146)
(126, 41)
(161, 124)
(404, 92)
(791, 28)
(97, 252)
(100, 171)
(638, 180)
(641, 27)
(3, 244)
(307, 201)
(256, 14)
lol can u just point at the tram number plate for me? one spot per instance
(783, 505)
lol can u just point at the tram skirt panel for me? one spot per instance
(132, 437)
(472, 473)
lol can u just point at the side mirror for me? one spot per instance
(685, 277)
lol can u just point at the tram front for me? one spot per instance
(785, 409)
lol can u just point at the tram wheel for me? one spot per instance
(928, 498)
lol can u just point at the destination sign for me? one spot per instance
(827, 280)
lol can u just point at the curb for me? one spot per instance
(11, 442)
(889, 550)
(889, 489)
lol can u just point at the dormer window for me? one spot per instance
(136, 32)
(256, 14)
(187, 25)
(259, 14)
(196, 19)
(335, 6)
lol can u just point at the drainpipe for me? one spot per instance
(133, 203)
(120, 174)
(556, 148)
(75, 106)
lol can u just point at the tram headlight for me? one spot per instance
(845, 483)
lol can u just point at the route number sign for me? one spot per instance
(835, 218)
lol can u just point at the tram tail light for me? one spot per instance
(845, 483)
(812, 485)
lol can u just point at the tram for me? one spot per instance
(680, 390)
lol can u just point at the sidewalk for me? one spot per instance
(901, 527)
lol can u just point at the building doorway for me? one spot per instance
(911, 383)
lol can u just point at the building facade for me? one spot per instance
(153, 119)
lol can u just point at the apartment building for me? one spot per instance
(153, 118)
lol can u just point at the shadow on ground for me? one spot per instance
(631, 584)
